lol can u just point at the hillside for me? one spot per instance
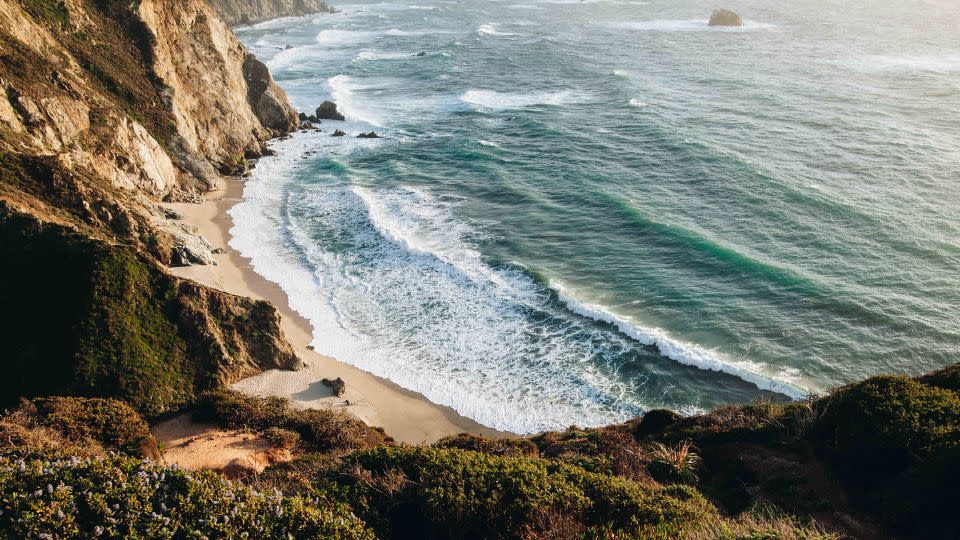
(108, 109)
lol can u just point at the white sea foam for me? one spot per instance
(621, 73)
(344, 38)
(634, 102)
(408, 298)
(490, 30)
(684, 353)
(370, 54)
(489, 143)
(342, 90)
(290, 57)
(489, 99)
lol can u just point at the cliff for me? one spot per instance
(108, 108)
(236, 12)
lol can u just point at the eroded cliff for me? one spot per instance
(236, 12)
(107, 108)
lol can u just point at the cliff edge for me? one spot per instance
(236, 12)
(107, 108)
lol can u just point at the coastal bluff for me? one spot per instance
(107, 110)
(237, 12)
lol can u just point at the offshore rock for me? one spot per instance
(328, 111)
(725, 17)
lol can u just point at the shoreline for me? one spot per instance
(405, 415)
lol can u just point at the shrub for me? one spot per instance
(447, 493)
(609, 450)
(47, 496)
(320, 430)
(112, 423)
(494, 447)
(895, 444)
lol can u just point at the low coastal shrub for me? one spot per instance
(49, 496)
(87, 426)
(609, 450)
(892, 435)
(423, 492)
(494, 447)
(319, 430)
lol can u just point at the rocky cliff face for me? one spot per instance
(108, 107)
(236, 12)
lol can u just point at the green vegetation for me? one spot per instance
(52, 12)
(310, 430)
(890, 436)
(422, 492)
(109, 422)
(50, 496)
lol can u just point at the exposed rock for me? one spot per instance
(328, 111)
(253, 11)
(266, 98)
(422, 53)
(337, 385)
(101, 118)
(725, 17)
(189, 247)
(338, 133)
(370, 135)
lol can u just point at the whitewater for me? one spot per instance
(580, 211)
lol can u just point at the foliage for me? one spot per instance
(509, 446)
(109, 422)
(609, 450)
(676, 463)
(892, 435)
(451, 493)
(319, 430)
(47, 496)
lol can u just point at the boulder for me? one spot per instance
(371, 135)
(328, 111)
(725, 17)
(338, 133)
(337, 385)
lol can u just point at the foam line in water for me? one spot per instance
(684, 353)
(489, 99)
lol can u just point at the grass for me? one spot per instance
(676, 463)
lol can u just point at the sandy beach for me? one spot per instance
(406, 416)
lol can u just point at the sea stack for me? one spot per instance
(725, 17)
(328, 111)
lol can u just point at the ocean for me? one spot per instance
(582, 210)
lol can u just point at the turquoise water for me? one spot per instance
(583, 210)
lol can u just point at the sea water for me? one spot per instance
(582, 210)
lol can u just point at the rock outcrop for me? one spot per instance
(725, 17)
(236, 12)
(108, 108)
(328, 111)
